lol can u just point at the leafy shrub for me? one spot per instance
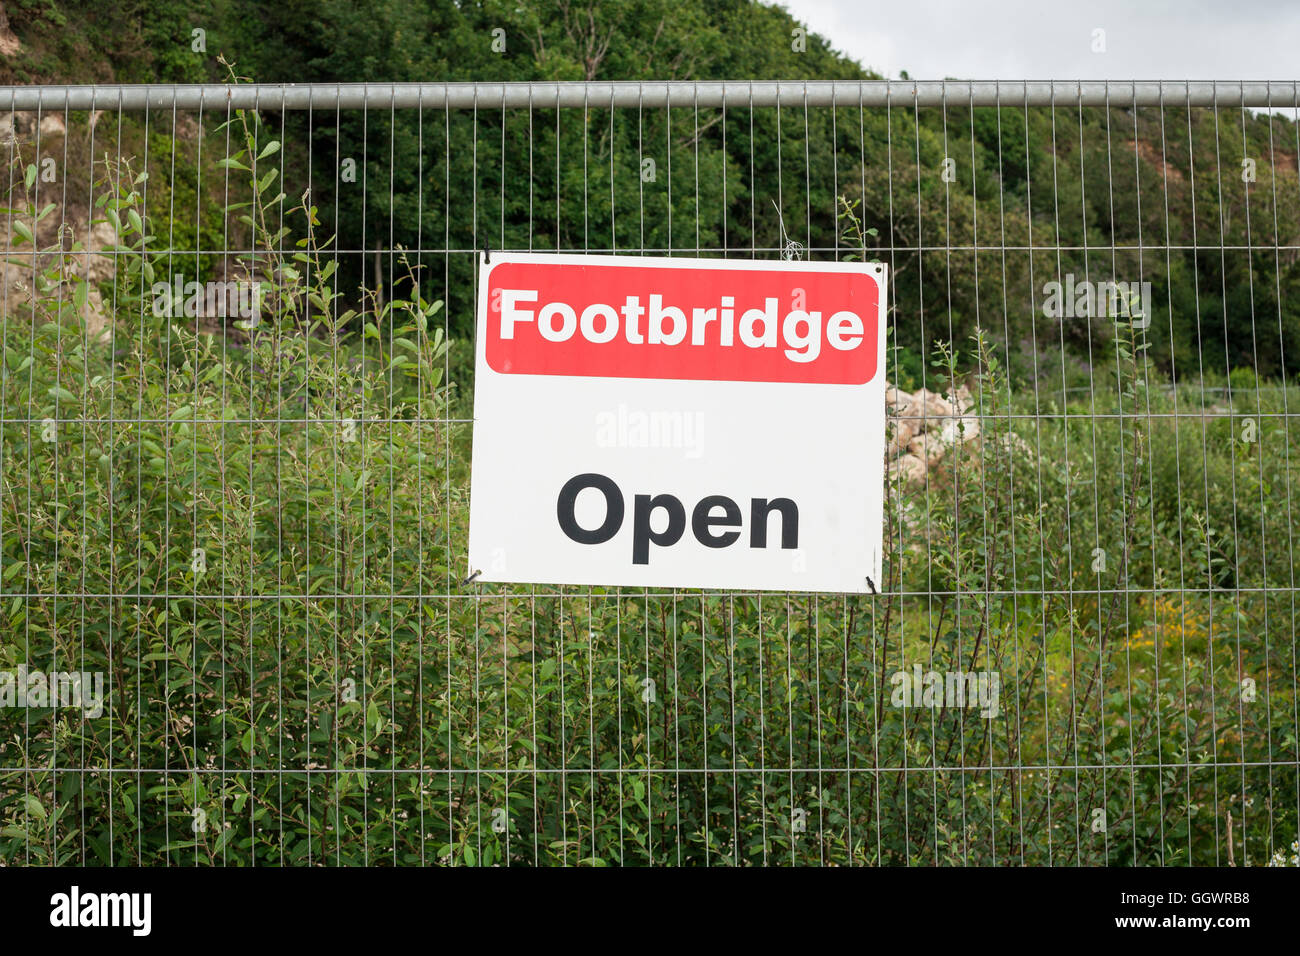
(258, 538)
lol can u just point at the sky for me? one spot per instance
(1054, 39)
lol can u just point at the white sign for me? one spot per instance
(692, 423)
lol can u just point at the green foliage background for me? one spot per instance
(326, 690)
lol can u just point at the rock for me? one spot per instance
(10, 45)
(52, 125)
(101, 268)
(22, 122)
(895, 398)
(901, 433)
(927, 448)
(957, 431)
(962, 401)
(908, 467)
(926, 410)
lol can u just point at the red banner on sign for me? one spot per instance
(669, 322)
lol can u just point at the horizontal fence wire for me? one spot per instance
(234, 621)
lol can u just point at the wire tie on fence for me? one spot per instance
(487, 254)
(871, 584)
(470, 579)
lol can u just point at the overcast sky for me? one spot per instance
(1053, 39)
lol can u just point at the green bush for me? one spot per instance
(258, 537)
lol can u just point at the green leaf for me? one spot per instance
(34, 807)
(24, 231)
(61, 393)
(267, 180)
(271, 147)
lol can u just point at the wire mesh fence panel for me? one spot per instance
(238, 332)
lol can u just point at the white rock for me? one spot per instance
(926, 410)
(957, 431)
(895, 398)
(927, 448)
(962, 401)
(52, 125)
(910, 468)
(901, 432)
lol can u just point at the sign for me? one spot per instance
(693, 423)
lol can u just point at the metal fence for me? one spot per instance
(234, 621)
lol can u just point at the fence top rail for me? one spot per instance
(734, 93)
